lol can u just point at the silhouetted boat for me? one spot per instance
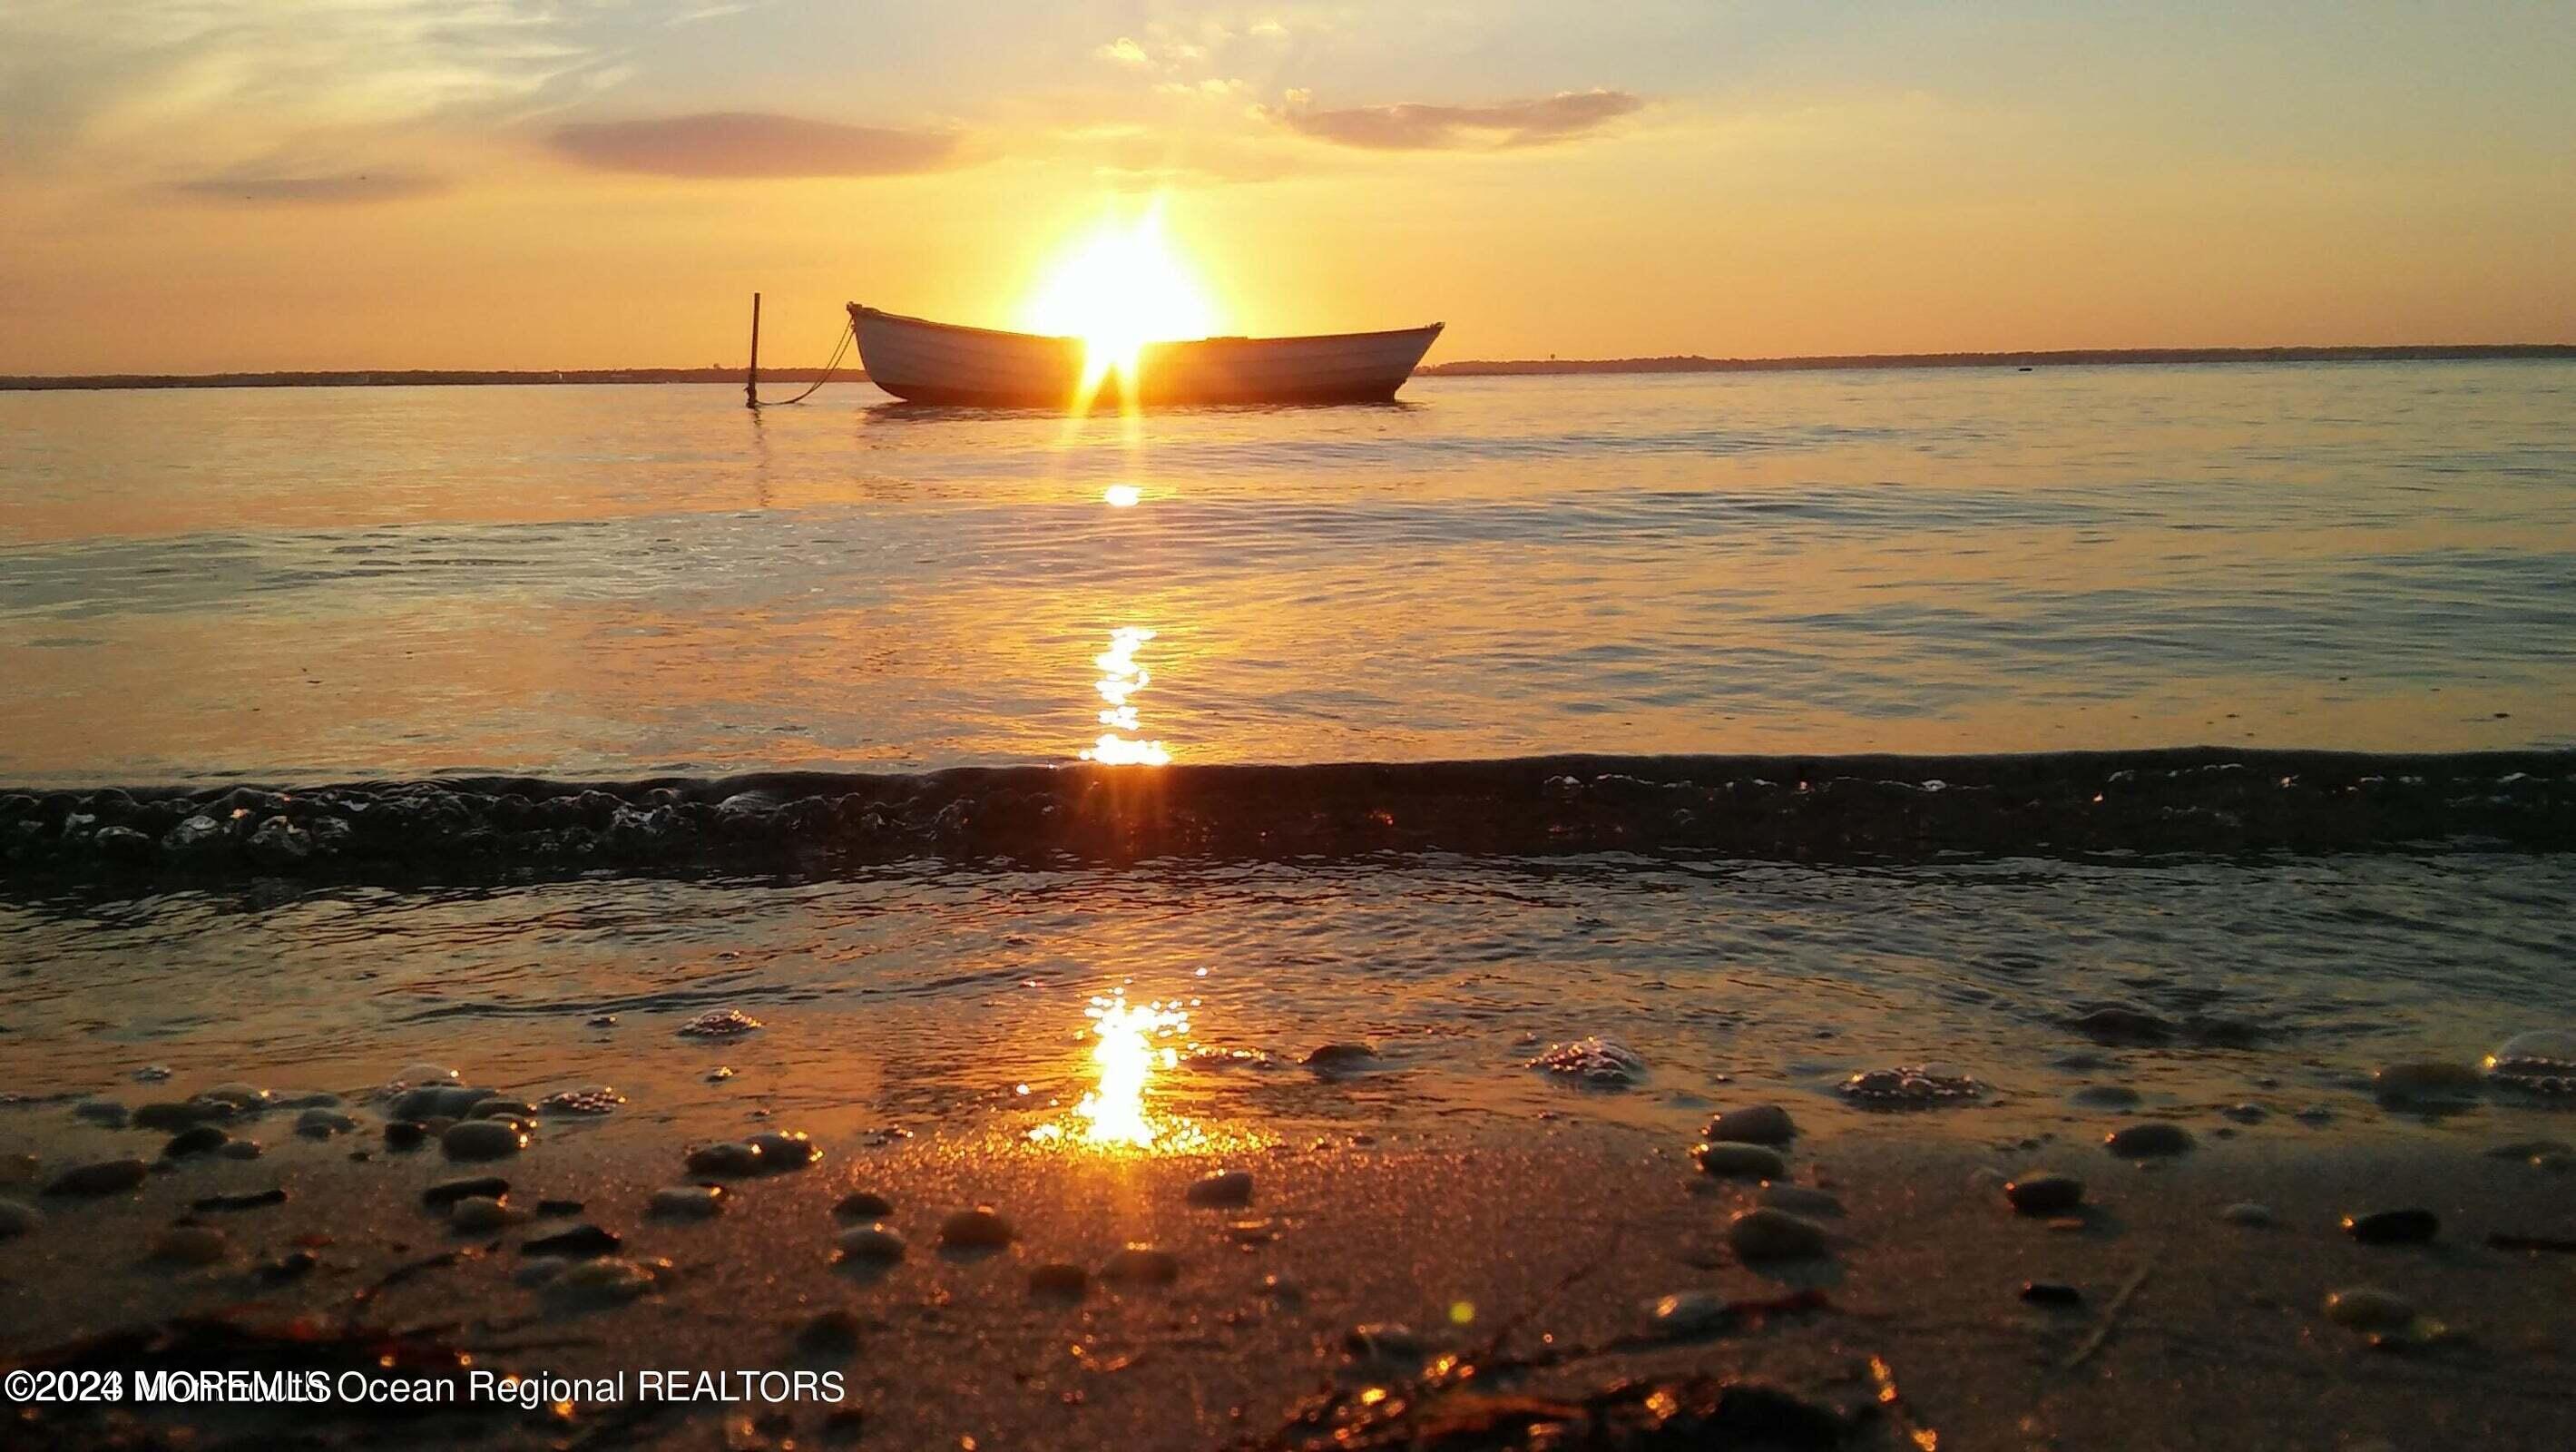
(929, 362)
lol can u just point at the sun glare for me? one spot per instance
(1119, 288)
(1114, 1113)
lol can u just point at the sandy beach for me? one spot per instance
(1423, 1287)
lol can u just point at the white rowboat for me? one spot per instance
(929, 362)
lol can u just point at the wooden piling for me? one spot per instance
(751, 376)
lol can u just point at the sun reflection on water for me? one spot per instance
(1120, 679)
(1122, 496)
(1127, 1050)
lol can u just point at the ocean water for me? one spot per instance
(295, 587)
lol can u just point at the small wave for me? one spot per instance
(1849, 809)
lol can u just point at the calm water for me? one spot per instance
(299, 584)
(294, 585)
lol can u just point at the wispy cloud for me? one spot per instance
(752, 144)
(320, 190)
(1414, 126)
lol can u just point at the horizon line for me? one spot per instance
(1469, 367)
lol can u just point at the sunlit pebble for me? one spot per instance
(1688, 1313)
(323, 1123)
(593, 1099)
(873, 1244)
(482, 1214)
(482, 1139)
(2138, 1141)
(719, 1074)
(728, 1158)
(2542, 1061)
(979, 1228)
(790, 1149)
(687, 1202)
(2365, 1308)
(1754, 1124)
(1597, 1061)
(1731, 1159)
(2044, 1194)
(863, 1205)
(720, 1023)
(1765, 1233)
(1224, 1187)
(195, 1140)
(239, 1149)
(152, 1073)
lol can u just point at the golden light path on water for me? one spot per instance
(1120, 679)
(1129, 1045)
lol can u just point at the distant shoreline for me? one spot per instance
(1467, 368)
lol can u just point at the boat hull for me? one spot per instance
(941, 363)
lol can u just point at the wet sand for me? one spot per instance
(1530, 1253)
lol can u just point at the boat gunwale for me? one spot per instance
(861, 309)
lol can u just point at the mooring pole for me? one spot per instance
(751, 377)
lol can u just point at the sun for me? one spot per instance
(1118, 288)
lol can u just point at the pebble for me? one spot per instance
(981, 1228)
(2245, 1113)
(833, 1330)
(2044, 1194)
(191, 1245)
(1223, 1188)
(246, 1200)
(1338, 1056)
(720, 1023)
(201, 1139)
(238, 1095)
(102, 1177)
(606, 1280)
(2138, 1141)
(437, 1101)
(2426, 1082)
(448, 1192)
(2542, 1061)
(151, 1073)
(239, 1149)
(784, 1150)
(181, 1114)
(688, 1202)
(594, 1099)
(1738, 1160)
(575, 1243)
(2393, 1227)
(1138, 1264)
(1800, 1200)
(1754, 1124)
(873, 1244)
(2364, 1308)
(1599, 1062)
(501, 1106)
(482, 1139)
(2246, 1212)
(1689, 1313)
(2108, 1096)
(1908, 1086)
(1059, 1278)
(863, 1205)
(2051, 1293)
(1765, 1233)
(103, 1111)
(18, 1219)
(414, 1075)
(725, 1158)
(481, 1215)
(405, 1134)
(323, 1123)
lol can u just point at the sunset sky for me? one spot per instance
(191, 185)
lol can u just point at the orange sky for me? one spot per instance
(192, 185)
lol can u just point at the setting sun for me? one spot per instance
(1119, 288)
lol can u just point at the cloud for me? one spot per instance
(1124, 51)
(752, 144)
(345, 187)
(1412, 126)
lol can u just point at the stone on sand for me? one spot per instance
(872, 1244)
(981, 1228)
(2044, 1194)
(687, 1202)
(1737, 1159)
(1765, 1233)
(482, 1139)
(1224, 1187)
(1754, 1124)
(2366, 1308)
(2143, 1141)
(100, 1177)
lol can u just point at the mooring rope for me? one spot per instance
(848, 333)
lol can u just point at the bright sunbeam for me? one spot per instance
(1120, 288)
(1120, 679)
